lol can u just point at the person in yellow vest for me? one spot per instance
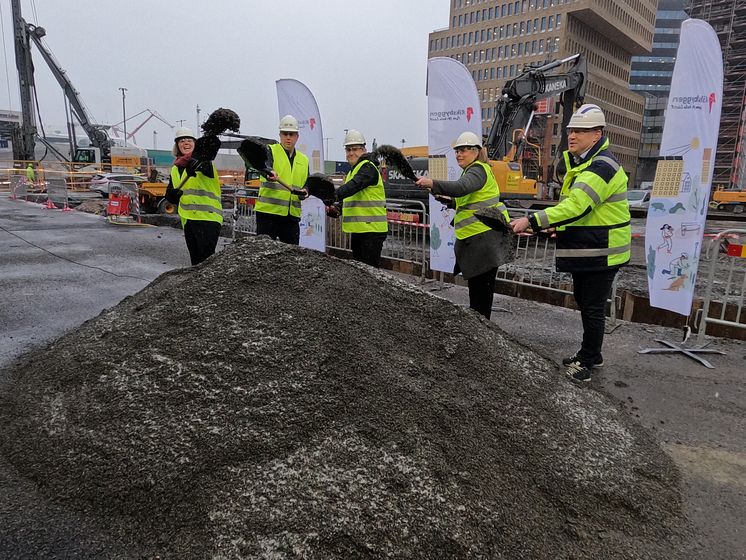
(477, 252)
(195, 187)
(278, 208)
(593, 229)
(363, 202)
(30, 173)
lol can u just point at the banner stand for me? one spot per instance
(676, 349)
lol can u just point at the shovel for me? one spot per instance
(396, 159)
(255, 154)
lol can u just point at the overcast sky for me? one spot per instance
(365, 62)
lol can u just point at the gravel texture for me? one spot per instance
(276, 402)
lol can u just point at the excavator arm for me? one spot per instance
(515, 108)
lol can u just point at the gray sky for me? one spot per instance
(365, 62)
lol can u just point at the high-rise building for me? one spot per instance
(651, 76)
(728, 19)
(495, 39)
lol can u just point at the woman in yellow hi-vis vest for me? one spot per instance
(364, 202)
(195, 187)
(477, 253)
(278, 209)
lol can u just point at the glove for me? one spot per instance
(302, 194)
(192, 167)
(332, 211)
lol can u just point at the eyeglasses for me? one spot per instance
(462, 149)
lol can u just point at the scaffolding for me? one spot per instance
(728, 19)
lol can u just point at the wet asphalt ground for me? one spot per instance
(59, 269)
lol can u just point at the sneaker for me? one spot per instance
(578, 372)
(568, 361)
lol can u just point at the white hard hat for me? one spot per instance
(288, 123)
(184, 132)
(181, 132)
(354, 138)
(467, 139)
(587, 116)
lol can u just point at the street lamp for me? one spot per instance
(124, 115)
(198, 111)
(326, 150)
(402, 142)
(155, 139)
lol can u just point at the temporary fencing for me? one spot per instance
(724, 299)
(57, 196)
(406, 242)
(18, 190)
(124, 203)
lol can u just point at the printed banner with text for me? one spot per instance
(294, 98)
(681, 189)
(453, 107)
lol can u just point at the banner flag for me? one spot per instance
(453, 107)
(681, 189)
(294, 98)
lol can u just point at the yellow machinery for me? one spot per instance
(507, 144)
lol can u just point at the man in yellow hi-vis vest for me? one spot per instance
(278, 208)
(364, 202)
(593, 229)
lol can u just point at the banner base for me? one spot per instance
(689, 352)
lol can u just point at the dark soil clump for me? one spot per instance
(276, 402)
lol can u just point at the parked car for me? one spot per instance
(638, 198)
(101, 182)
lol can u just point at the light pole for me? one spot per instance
(326, 149)
(124, 115)
(198, 111)
(181, 122)
(402, 143)
(155, 139)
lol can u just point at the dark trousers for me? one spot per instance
(201, 239)
(591, 290)
(482, 292)
(367, 247)
(284, 228)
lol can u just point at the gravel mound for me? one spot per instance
(276, 402)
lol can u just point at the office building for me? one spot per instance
(651, 76)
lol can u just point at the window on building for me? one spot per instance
(536, 25)
(533, 47)
(543, 23)
(471, 36)
(476, 19)
(559, 20)
(521, 29)
(551, 23)
(460, 20)
(541, 46)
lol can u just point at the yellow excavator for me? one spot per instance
(508, 145)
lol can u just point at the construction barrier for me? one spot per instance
(57, 197)
(724, 306)
(18, 190)
(123, 205)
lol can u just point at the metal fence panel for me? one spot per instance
(728, 288)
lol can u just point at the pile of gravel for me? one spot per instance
(276, 402)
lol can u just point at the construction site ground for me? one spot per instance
(61, 268)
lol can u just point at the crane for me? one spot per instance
(26, 33)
